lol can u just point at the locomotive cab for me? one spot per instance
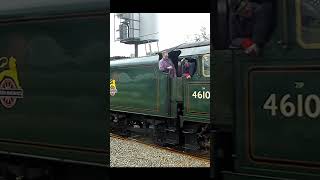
(266, 107)
(188, 62)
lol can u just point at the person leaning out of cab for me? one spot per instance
(251, 25)
(186, 68)
(166, 65)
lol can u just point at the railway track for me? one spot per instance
(173, 150)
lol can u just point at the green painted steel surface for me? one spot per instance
(61, 69)
(197, 92)
(286, 100)
(277, 124)
(141, 87)
(276, 132)
(197, 102)
(271, 102)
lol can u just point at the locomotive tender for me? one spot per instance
(52, 100)
(172, 110)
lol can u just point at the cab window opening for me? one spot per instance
(187, 67)
(308, 23)
(251, 24)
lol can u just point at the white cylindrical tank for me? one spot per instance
(149, 30)
(135, 24)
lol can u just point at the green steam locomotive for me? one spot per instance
(172, 111)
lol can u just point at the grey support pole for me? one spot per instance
(135, 50)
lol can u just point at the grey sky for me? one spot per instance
(174, 29)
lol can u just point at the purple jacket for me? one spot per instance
(163, 66)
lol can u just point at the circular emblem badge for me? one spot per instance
(6, 100)
(113, 87)
(10, 89)
(113, 90)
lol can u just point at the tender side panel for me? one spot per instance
(140, 89)
(60, 67)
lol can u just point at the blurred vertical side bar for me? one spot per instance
(220, 41)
